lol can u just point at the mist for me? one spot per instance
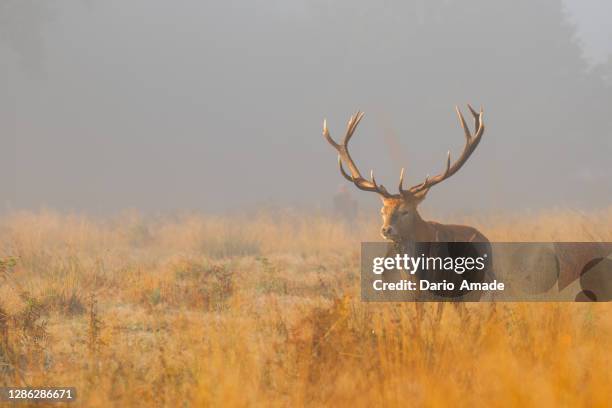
(218, 106)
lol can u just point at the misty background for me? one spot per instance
(215, 106)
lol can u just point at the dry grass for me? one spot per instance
(262, 310)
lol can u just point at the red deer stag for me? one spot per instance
(401, 219)
(402, 223)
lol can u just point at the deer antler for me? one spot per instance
(344, 156)
(471, 142)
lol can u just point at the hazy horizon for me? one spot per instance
(214, 106)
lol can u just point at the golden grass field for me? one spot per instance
(264, 310)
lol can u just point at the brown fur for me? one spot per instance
(402, 222)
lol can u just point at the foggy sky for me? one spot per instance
(593, 28)
(160, 105)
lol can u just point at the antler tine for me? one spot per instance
(379, 187)
(327, 135)
(466, 130)
(471, 142)
(481, 127)
(352, 125)
(401, 183)
(472, 111)
(344, 156)
(421, 186)
(477, 119)
(448, 163)
(475, 115)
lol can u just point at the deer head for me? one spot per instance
(399, 211)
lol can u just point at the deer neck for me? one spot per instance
(421, 231)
